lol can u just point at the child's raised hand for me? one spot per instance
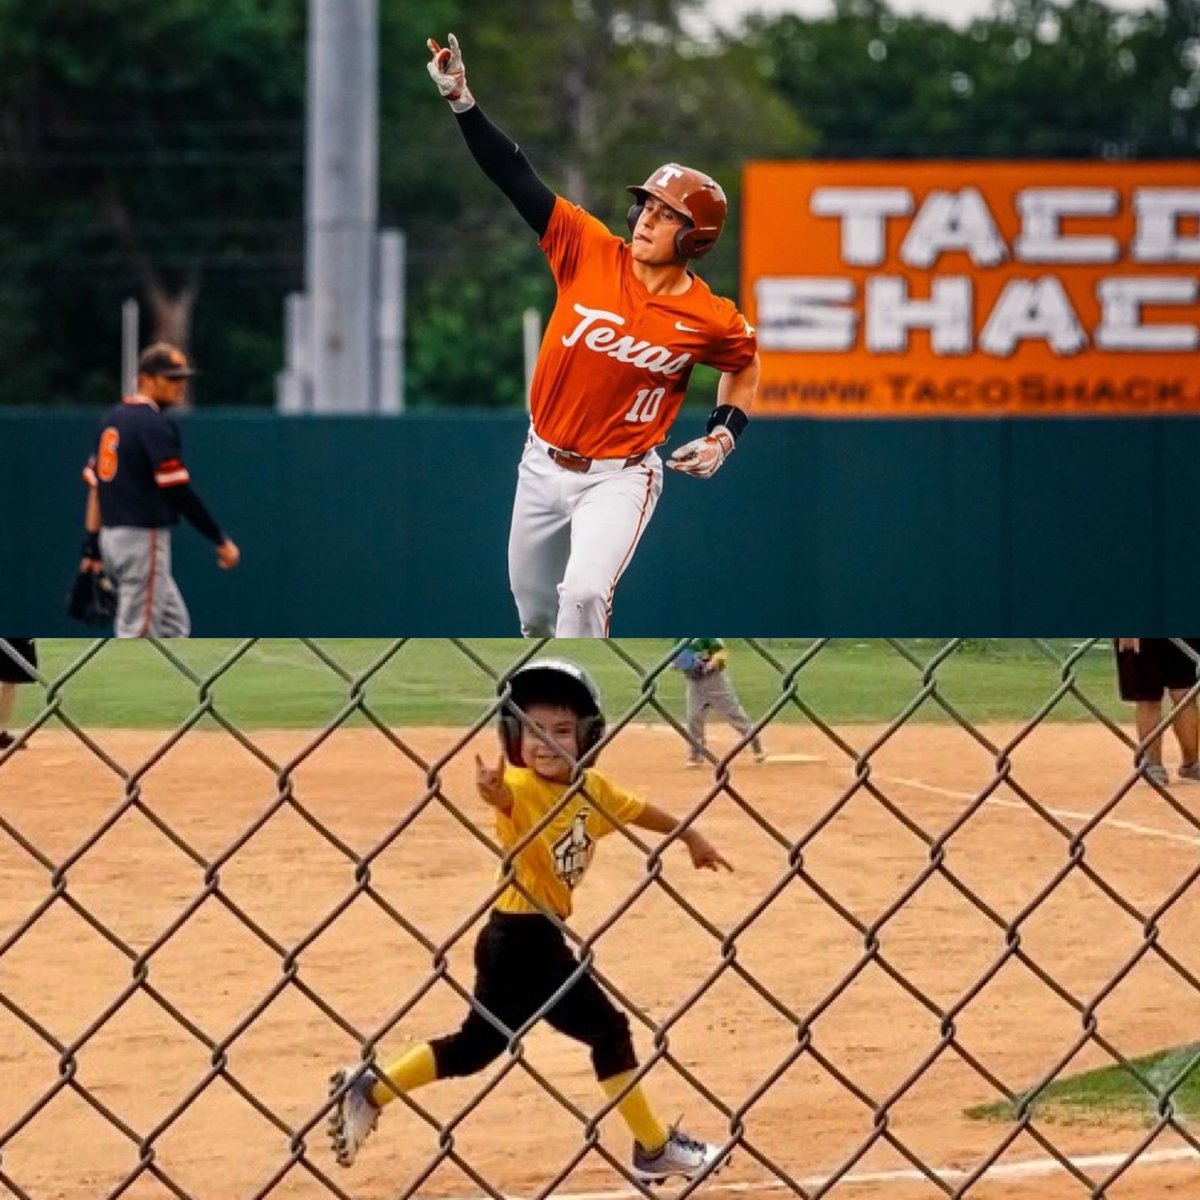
(491, 785)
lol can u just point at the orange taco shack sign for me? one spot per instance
(974, 288)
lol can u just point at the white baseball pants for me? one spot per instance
(149, 603)
(573, 535)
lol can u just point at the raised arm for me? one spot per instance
(492, 786)
(497, 154)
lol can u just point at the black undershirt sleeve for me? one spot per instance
(503, 163)
(188, 504)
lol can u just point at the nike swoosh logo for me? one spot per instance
(685, 328)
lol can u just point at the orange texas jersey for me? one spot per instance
(552, 864)
(615, 361)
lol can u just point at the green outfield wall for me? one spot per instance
(399, 526)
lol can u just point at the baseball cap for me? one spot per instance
(166, 360)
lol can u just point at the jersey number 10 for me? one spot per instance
(645, 407)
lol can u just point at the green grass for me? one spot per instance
(285, 683)
(1115, 1093)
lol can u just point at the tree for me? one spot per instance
(103, 103)
(156, 148)
(156, 142)
(1040, 78)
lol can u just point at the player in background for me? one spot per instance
(138, 489)
(630, 322)
(18, 660)
(1146, 669)
(522, 960)
(705, 664)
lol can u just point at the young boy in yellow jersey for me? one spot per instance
(522, 959)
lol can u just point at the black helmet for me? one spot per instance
(551, 681)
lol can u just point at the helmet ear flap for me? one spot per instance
(634, 215)
(510, 738)
(591, 730)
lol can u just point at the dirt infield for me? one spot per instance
(288, 878)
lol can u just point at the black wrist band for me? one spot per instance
(91, 544)
(733, 418)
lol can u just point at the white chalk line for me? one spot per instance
(1063, 814)
(1028, 1169)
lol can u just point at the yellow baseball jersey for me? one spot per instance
(552, 865)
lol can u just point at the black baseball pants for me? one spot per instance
(521, 960)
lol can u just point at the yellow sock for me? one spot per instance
(413, 1069)
(635, 1108)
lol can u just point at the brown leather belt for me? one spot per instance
(578, 462)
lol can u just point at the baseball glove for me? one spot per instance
(92, 599)
(690, 663)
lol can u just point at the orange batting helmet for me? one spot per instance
(694, 195)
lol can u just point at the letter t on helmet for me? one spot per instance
(694, 195)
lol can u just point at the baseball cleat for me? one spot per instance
(354, 1117)
(1190, 772)
(693, 762)
(680, 1156)
(760, 755)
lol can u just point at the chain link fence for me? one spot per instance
(957, 957)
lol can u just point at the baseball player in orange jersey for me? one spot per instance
(629, 324)
(524, 968)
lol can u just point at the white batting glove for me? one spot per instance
(447, 71)
(704, 456)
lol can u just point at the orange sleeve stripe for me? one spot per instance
(171, 478)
